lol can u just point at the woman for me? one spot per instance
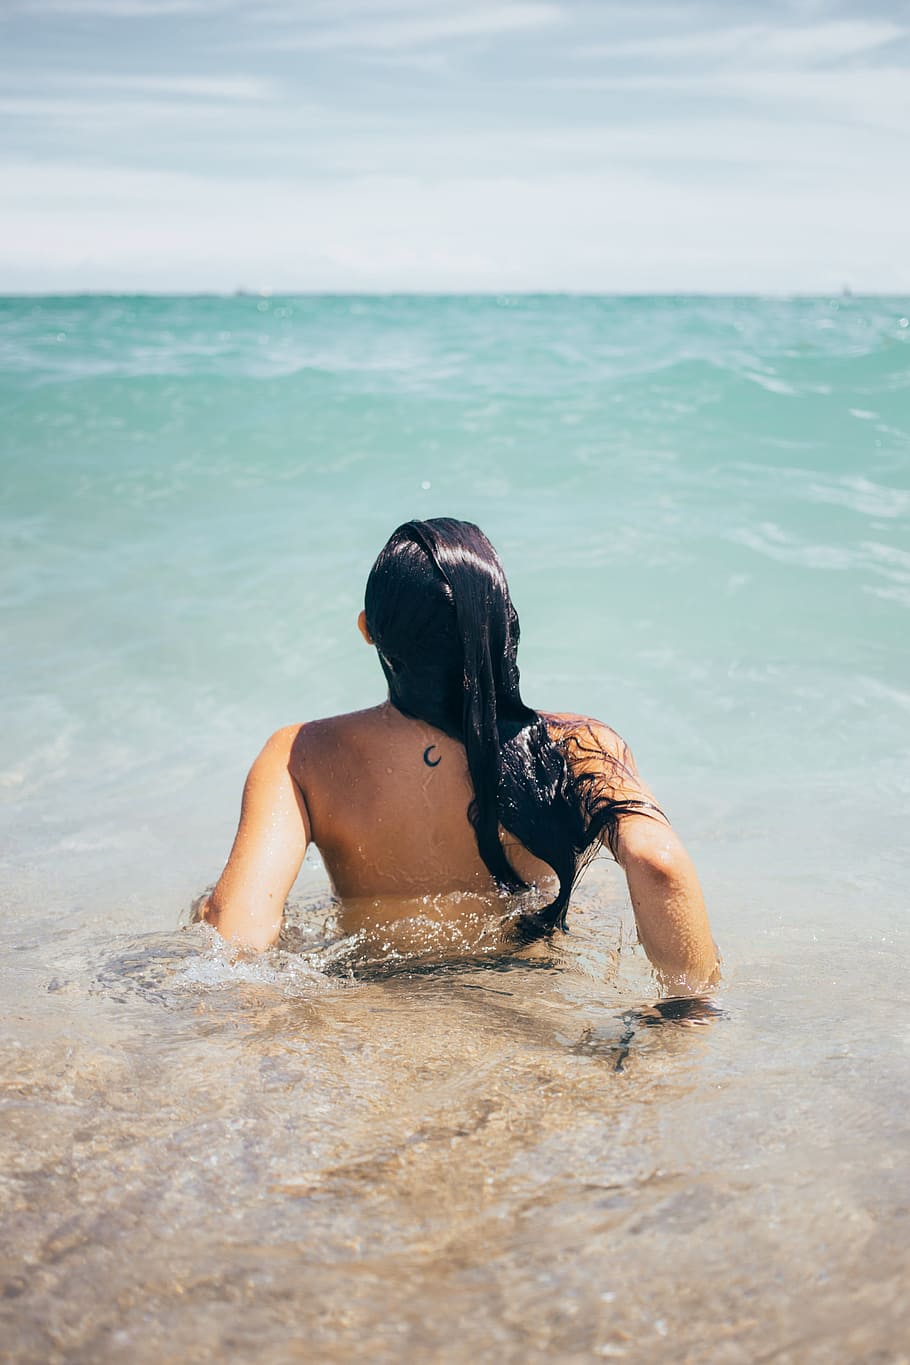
(454, 785)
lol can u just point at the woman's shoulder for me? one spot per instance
(305, 745)
(586, 737)
(330, 729)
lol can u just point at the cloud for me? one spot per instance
(715, 150)
(424, 28)
(620, 231)
(873, 96)
(755, 45)
(112, 115)
(240, 88)
(121, 9)
(226, 87)
(751, 154)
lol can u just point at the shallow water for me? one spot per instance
(307, 1158)
(335, 1153)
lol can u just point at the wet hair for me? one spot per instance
(439, 612)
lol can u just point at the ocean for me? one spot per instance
(703, 507)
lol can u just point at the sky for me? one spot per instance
(455, 145)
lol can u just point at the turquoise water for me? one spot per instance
(703, 507)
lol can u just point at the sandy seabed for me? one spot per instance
(310, 1157)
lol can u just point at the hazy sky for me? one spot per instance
(421, 144)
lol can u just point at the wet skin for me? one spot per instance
(385, 799)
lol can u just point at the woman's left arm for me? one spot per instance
(247, 905)
(669, 906)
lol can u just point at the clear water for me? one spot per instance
(703, 506)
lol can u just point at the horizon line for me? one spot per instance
(240, 293)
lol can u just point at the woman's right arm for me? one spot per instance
(247, 905)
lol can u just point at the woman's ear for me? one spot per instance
(362, 627)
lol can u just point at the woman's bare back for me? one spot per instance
(387, 798)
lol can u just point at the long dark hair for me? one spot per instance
(439, 612)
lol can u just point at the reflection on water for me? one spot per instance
(315, 1155)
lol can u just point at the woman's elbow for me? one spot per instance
(652, 848)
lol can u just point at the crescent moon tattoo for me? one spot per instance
(431, 762)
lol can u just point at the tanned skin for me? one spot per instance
(385, 798)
